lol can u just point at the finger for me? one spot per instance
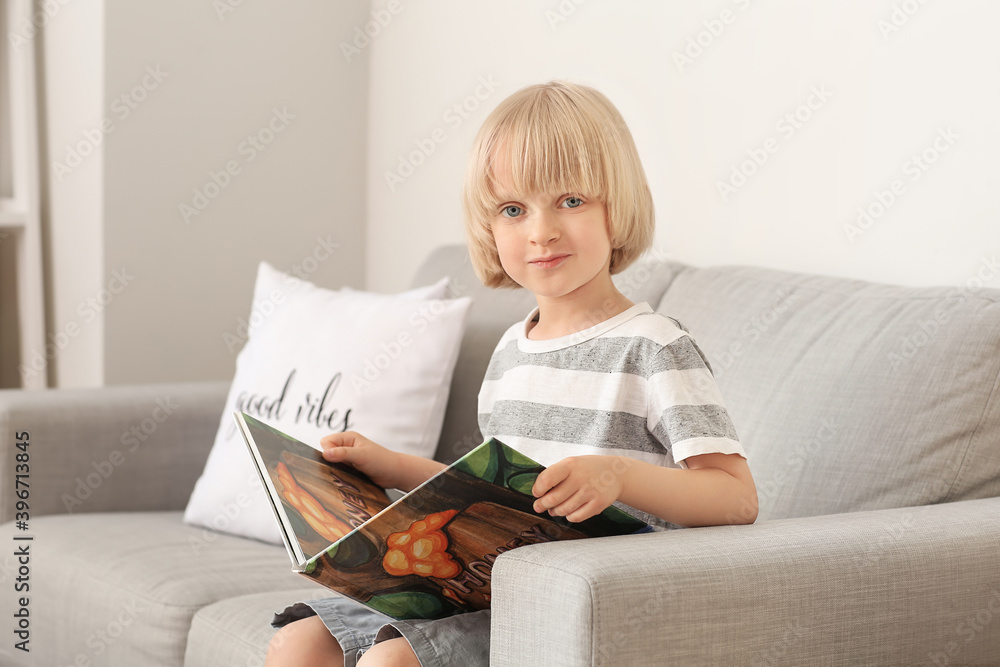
(549, 478)
(574, 502)
(585, 511)
(555, 497)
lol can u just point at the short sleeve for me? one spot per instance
(685, 410)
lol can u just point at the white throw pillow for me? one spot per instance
(318, 361)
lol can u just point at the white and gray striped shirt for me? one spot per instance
(634, 385)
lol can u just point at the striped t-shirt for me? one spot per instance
(634, 385)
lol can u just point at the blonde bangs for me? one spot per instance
(543, 150)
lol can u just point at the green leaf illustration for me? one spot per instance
(353, 551)
(522, 481)
(518, 459)
(480, 462)
(412, 604)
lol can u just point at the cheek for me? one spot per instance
(503, 253)
(506, 244)
(599, 240)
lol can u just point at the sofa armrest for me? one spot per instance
(918, 585)
(110, 448)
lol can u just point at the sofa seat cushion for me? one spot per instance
(237, 631)
(851, 395)
(122, 588)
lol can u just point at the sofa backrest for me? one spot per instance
(851, 395)
(847, 395)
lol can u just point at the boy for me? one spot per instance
(614, 398)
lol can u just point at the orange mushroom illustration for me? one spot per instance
(422, 549)
(324, 523)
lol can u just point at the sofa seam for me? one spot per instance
(195, 609)
(146, 599)
(594, 614)
(215, 627)
(974, 436)
(151, 603)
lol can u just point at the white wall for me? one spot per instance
(356, 114)
(891, 91)
(155, 288)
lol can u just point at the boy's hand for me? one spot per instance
(379, 463)
(579, 487)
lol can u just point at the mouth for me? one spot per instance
(548, 262)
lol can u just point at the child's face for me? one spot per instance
(554, 243)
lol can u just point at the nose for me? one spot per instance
(544, 228)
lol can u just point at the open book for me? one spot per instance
(430, 553)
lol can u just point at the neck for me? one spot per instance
(579, 310)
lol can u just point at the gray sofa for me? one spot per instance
(870, 413)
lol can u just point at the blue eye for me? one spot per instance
(511, 211)
(572, 202)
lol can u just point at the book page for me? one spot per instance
(318, 502)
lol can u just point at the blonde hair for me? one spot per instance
(563, 137)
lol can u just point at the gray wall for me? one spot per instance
(157, 287)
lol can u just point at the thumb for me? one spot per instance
(345, 439)
(344, 450)
(339, 454)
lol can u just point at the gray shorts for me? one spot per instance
(462, 641)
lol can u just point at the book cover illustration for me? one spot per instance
(430, 554)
